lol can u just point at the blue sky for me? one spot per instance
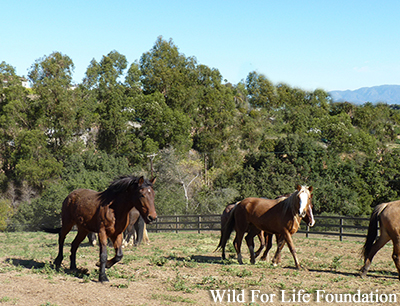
(333, 45)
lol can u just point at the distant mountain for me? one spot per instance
(389, 94)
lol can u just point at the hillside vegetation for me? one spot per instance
(210, 142)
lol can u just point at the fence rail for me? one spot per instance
(340, 226)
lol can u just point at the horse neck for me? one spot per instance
(291, 205)
(121, 203)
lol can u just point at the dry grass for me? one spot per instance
(181, 269)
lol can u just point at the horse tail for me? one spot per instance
(227, 230)
(372, 229)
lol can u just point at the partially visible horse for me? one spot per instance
(105, 213)
(135, 229)
(224, 219)
(279, 216)
(388, 216)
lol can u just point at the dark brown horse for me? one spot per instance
(280, 216)
(135, 230)
(105, 213)
(388, 216)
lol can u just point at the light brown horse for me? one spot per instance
(265, 239)
(308, 219)
(279, 216)
(388, 216)
(105, 213)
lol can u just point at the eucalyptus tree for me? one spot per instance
(214, 118)
(55, 100)
(261, 91)
(26, 157)
(16, 114)
(167, 71)
(105, 81)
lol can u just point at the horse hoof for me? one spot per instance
(103, 278)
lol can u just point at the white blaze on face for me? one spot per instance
(303, 203)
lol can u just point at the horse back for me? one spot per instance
(257, 207)
(265, 214)
(81, 207)
(389, 215)
(226, 213)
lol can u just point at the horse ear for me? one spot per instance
(141, 181)
(298, 187)
(153, 180)
(310, 188)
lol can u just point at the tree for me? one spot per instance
(113, 105)
(16, 115)
(261, 91)
(170, 73)
(214, 116)
(56, 103)
(33, 161)
(179, 179)
(165, 126)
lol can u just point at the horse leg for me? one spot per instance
(250, 243)
(139, 227)
(238, 245)
(92, 238)
(378, 244)
(118, 252)
(268, 243)
(75, 244)
(280, 241)
(61, 239)
(262, 239)
(396, 254)
(145, 236)
(103, 256)
(292, 249)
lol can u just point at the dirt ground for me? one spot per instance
(182, 269)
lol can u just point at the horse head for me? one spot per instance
(304, 194)
(146, 199)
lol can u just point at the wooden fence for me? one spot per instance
(340, 226)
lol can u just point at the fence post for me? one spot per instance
(157, 224)
(341, 229)
(176, 224)
(307, 230)
(199, 224)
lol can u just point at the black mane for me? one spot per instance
(122, 183)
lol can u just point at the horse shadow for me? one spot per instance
(377, 274)
(37, 265)
(197, 258)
